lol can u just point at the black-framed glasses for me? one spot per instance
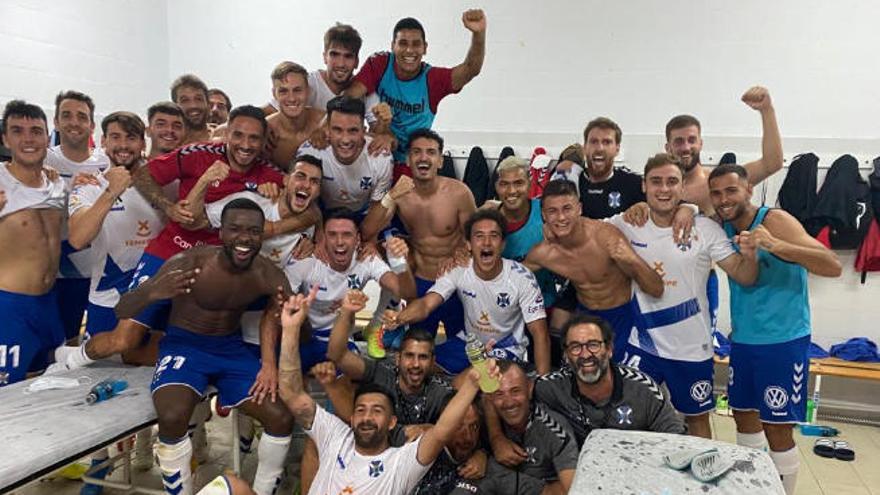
(577, 348)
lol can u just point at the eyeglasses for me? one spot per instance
(577, 348)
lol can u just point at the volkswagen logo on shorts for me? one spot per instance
(775, 397)
(701, 391)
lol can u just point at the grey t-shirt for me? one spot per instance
(499, 480)
(420, 408)
(636, 403)
(549, 444)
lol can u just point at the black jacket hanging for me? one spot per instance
(797, 195)
(843, 204)
(476, 175)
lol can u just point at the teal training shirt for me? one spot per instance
(776, 308)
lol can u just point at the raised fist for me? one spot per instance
(758, 98)
(474, 20)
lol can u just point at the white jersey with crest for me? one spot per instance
(676, 325)
(496, 309)
(332, 286)
(75, 264)
(352, 186)
(126, 230)
(344, 471)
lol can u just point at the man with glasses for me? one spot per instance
(593, 392)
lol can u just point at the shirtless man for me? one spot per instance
(210, 288)
(434, 212)
(165, 128)
(294, 122)
(191, 94)
(684, 141)
(31, 211)
(596, 258)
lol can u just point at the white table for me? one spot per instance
(631, 462)
(44, 431)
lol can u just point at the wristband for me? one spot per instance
(387, 202)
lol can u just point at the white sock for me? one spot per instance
(72, 357)
(753, 440)
(271, 453)
(174, 460)
(787, 463)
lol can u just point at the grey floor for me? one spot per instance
(817, 475)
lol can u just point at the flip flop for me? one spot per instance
(710, 465)
(681, 459)
(843, 451)
(824, 447)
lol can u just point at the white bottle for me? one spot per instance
(398, 264)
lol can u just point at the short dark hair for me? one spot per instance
(344, 35)
(660, 160)
(249, 111)
(311, 160)
(341, 214)
(584, 319)
(21, 108)
(679, 122)
(426, 133)
(78, 96)
(347, 105)
(506, 364)
(407, 23)
(559, 187)
(729, 168)
(485, 214)
(604, 123)
(284, 68)
(218, 91)
(166, 107)
(189, 81)
(374, 388)
(130, 123)
(417, 335)
(241, 204)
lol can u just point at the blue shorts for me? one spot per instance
(103, 319)
(155, 315)
(771, 379)
(622, 320)
(690, 383)
(451, 312)
(196, 361)
(315, 350)
(452, 359)
(30, 330)
(73, 297)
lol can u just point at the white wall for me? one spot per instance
(116, 52)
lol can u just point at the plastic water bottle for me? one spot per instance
(398, 264)
(476, 354)
(105, 390)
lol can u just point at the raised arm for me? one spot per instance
(447, 424)
(475, 22)
(337, 349)
(85, 223)
(381, 212)
(279, 288)
(782, 235)
(541, 339)
(402, 285)
(415, 311)
(298, 222)
(195, 200)
(631, 263)
(174, 278)
(290, 378)
(770, 162)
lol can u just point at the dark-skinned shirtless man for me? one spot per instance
(210, 287)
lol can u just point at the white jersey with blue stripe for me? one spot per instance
(129, 226)
(75, 264)
(678, 324)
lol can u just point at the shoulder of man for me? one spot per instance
(552, 422)
(636, 382)
(203, 148)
